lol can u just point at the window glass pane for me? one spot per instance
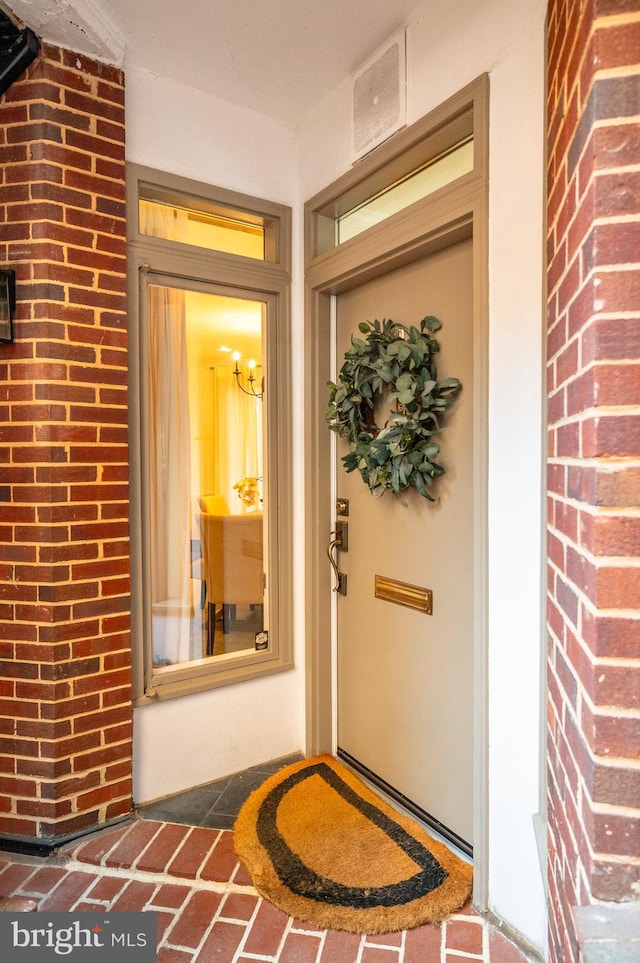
(439, 172)
(215, 232)
(206, 492)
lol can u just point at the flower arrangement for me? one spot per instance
(396, 364)
(248, 491)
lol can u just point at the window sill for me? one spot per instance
(211, 679)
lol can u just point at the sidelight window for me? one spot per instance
(210, 424)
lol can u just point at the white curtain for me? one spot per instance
(170, 459)
(238, 430)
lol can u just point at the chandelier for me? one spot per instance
(251, 380)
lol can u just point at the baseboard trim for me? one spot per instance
(27, 845)
(531, 952)
(32, 846)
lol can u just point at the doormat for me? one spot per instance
(324, 848)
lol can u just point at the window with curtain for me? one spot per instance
(211, 430)
(204, 438)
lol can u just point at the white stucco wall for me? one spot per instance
(447, 48)
(193, 740)
(180, 130)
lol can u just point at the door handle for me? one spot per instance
(339, 542)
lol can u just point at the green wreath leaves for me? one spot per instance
(396, 364)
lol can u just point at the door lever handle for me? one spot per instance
(341, 579)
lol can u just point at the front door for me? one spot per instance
(405, 678)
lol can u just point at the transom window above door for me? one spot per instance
(428, 167)
(429, 177)
(210, 438)
(216, 230)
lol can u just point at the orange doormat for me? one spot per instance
(324, 848)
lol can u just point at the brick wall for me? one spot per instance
(593, 348)
(65, 701)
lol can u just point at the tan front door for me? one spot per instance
(405, 678)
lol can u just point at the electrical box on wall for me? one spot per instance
(379, 96)
(7, 303)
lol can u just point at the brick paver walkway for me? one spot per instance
(209, 912)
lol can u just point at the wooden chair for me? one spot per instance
(232, 564)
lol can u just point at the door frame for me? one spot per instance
(450, 214)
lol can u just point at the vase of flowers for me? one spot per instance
(248, 491)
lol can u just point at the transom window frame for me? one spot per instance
(389, 165)
(186, 266)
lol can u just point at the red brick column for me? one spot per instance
(65, 700)
(593, 349)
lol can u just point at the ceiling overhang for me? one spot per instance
(79, 25)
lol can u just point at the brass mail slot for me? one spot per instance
(413, 596)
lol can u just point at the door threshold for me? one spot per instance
(438, 829)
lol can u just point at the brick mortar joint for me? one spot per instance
(160, 877)
(614, 73)
(596, 462)
(614, 712)
(586, 746)
(594, 411)
(575, 713)
(599, 563)
(616, 19)
(624, 812)
(619, 763)
(591, 509)
(569, 195)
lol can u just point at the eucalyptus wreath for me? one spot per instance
(394, 364)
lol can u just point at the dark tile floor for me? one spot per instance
(216, 804)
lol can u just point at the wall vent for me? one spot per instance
(379, 96)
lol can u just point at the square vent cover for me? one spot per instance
(379, 96)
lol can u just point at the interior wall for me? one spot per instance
(177, 129)
(447, 49)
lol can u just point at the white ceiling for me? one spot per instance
(279, 57)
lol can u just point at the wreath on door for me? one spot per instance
(392, 364)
